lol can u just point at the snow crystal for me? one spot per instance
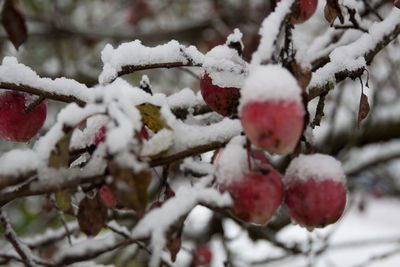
(269, 82)
(136, 54)
(232, 164)
(319, 167)
(225, 67)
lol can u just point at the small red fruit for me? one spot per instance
(257, 193)
(271, 110)
(304, 12)
(256, 196)
(100, 135)
(15, 124)
(222, 77)
(223, 100)
(315, 192)
(202, 256)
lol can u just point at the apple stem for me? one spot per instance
(33, 105)
(248, 148)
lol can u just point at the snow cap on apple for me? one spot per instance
(257, 193)
(315, 190)
(224, 72)
(15, 123)
(271, 109)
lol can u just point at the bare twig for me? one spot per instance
(11, 236)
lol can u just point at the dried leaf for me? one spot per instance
(63, 200)
(174, 245)
(129, 188)
(59, 156)
(92, 215)
(13, 21)
(151, 116)
(174, 237)
(363, 110)
(397, 3)
(107, 196)
(332, 11)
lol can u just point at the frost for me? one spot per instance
(232, 164)
(319, 167)
(269, 82)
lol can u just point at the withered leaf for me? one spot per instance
(59, 156)
(63, 200)
(92, 215)
(13, 21)
(363, 109)
(152, 117)
(129, 188)
(332, 11)
(397, 3)
(174, 237)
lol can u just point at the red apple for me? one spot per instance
(15, 124)
(256, 196)
(315, 192)
(255, 186)
(271, 109)
(275, 126)
(223, 100)
(202, 256)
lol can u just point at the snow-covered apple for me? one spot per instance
(15, 123)
(223, 74)
(271, 109)
(257, 193)
(315, 190)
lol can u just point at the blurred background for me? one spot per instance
(66, 37)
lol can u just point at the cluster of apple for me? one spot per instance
(271, 111)
(21, 116)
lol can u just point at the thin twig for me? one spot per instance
(11, 236)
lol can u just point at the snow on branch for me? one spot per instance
(350, 60)
(134, 56)
(18, 77)
(270, 30)
(157, 222)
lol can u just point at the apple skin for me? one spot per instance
(202, 256)
(223, 100)
(257, 196)
(314, 203)
(15, 124)
(273, 125)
